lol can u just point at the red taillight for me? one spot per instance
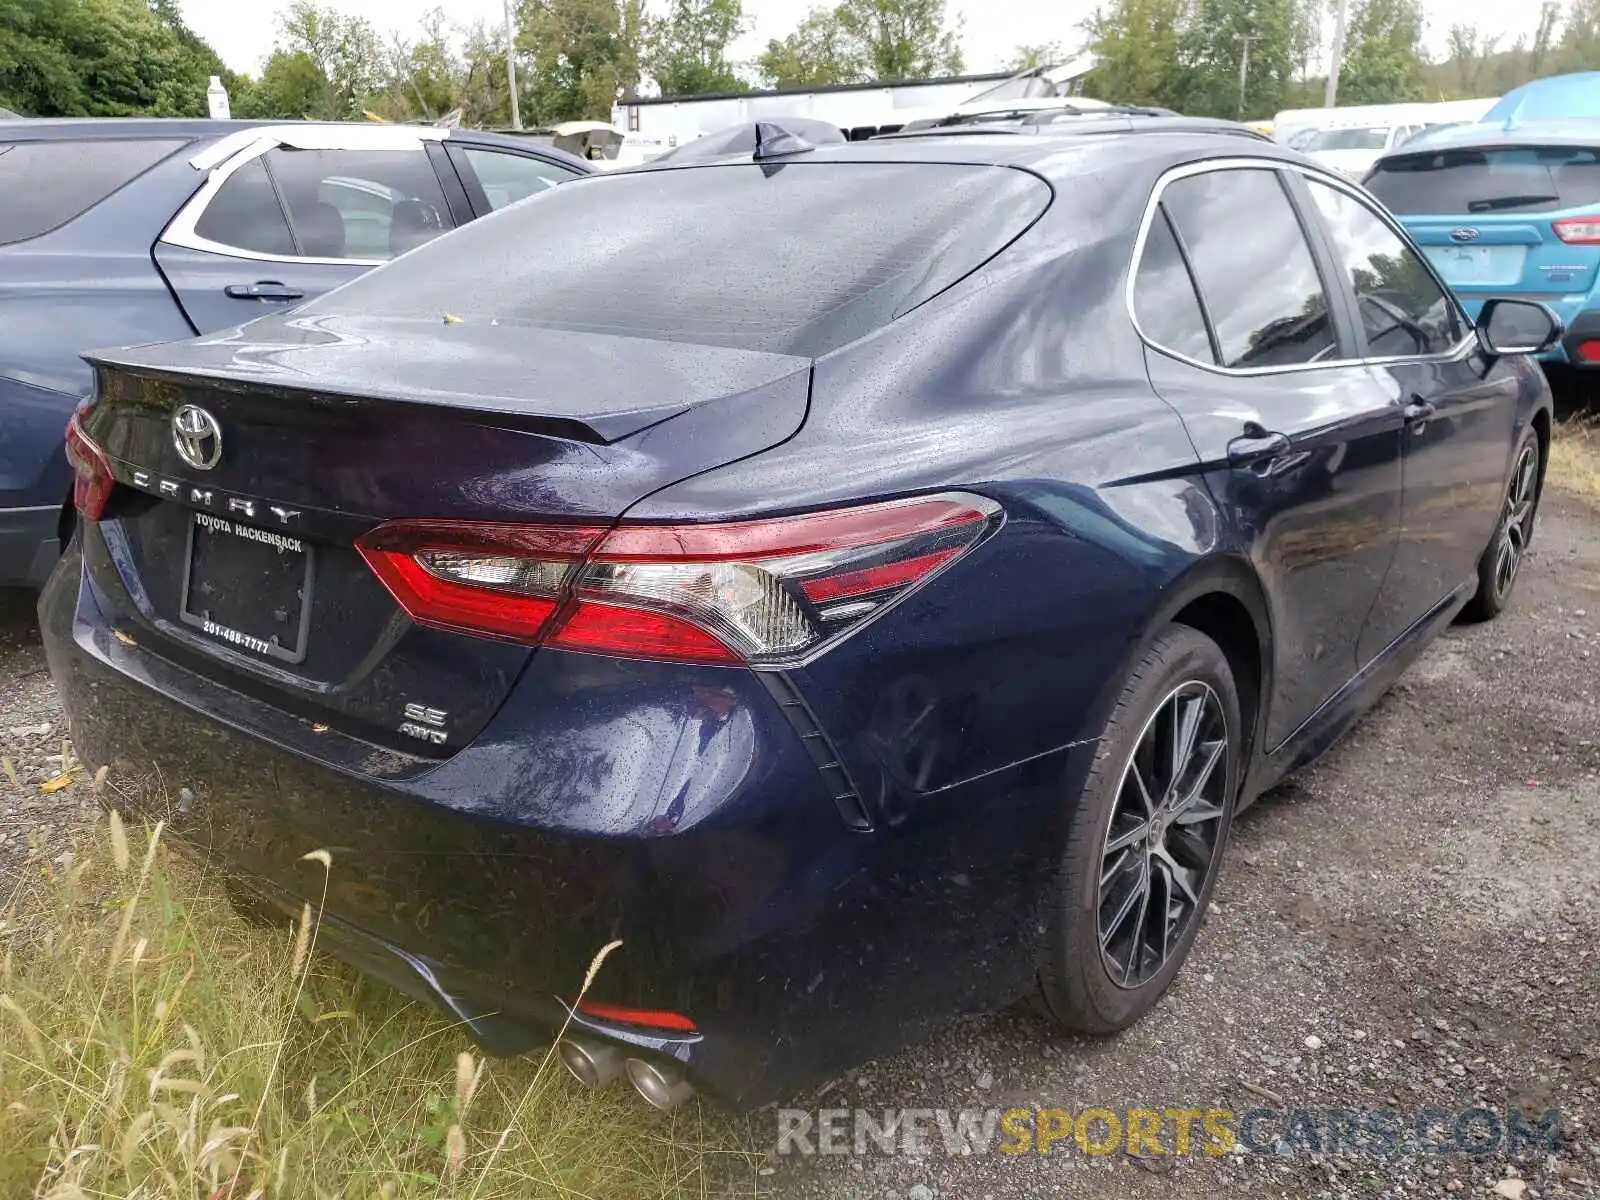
(1589, 351)
(1578, 231)
(505, 581)
(719, 593)
(649, 1017)
(91, 470)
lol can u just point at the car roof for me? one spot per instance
(1574, 131)
(70, 128)
(1555, 97)
(1060, 123)
(201, 129)
(1056, 151)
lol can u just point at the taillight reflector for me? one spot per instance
(759, 592)
(92, 478)
(649, 1017)
(1589, 351)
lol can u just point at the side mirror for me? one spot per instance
(1518, 327)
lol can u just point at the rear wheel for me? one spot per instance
(1501, 562)
(1146, 843)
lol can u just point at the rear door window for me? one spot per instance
(507, 178)
(333, 204)
(43, 185)
(246, 213)
(1164, 298)
(797, 258)
(1254, 267)
(1403, 309)
(371, 204)
(1527, 179)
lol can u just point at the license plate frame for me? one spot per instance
(261, 541)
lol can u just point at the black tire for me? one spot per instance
(1077, 982)
(1501, 563)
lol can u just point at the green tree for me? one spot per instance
(902, 39)
(1217, 36)
(573, 57)
(818, 52)
(1136, 45)
(1579, 47)
(346, 52)
(1469, 55)
(688, 53)
(113, 58)
(38, 75)
(292, 86)
(1384, 61)
(1043, 54)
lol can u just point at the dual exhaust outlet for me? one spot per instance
(595, 1063)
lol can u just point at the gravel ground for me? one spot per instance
(1412, 922)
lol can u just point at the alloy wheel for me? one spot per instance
(1163, 839)
(1517, 522)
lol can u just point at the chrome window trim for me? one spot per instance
(248, 145)
(1460, 350)
(318, 135)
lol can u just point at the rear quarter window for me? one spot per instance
(1527, 179)
(798, 259)
(46, 184)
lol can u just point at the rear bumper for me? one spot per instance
(29, 544)
(1582, 327)
(672, 808)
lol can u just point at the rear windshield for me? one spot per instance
(1523, 179)
(794, 259)
(1374, 138)
(46, 184)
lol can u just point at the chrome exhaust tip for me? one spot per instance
(663, 1087)
(593, 1064)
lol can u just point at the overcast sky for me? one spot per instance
(242, 30)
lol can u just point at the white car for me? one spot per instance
(1353, 149)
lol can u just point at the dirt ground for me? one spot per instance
(1413, 922)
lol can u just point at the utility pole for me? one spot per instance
(511, 68)
(1336, 57)
(1245, 40)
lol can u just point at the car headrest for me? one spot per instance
(411, 223)
(321, 229)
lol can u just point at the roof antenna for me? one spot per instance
(774, 141)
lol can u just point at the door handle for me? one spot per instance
(1257, 445)
(1419, 411)
(267, 289)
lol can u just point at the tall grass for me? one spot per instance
(1575, 457)
(154, 1045)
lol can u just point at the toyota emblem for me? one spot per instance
(197, 437)
(1467, 234)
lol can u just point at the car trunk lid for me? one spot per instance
(250, 462)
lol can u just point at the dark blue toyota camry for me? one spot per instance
(865, 581)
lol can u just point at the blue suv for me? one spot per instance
(1508, 209)
(120, 232)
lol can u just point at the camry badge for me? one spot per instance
(1464, 234)
(197, 437)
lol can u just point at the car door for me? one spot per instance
(1249, 340)
(1459, 409)
(279, 222)
(495, 177)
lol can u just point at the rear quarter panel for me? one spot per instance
(89, 284)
